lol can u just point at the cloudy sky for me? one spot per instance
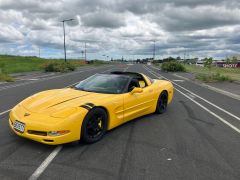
(196, 28)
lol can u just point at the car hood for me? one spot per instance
(49, 102)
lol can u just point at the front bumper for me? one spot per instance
(51, 140)
(74, 127)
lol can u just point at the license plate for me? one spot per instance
(19, 126)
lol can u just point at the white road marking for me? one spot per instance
(212, 113)
(232, 95)
(72, 84)
(214, 105)
(191, 95)
(235, 96)
(181, 77)
(4, 112)
(155, 68)
(28, 79)
(45, 163)
(209, 111)
(125, 69)
(178, 80)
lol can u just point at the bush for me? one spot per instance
(213, 77)
(173, 66)
(6, 77)
(59, 67)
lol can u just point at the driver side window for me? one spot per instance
(134, 83)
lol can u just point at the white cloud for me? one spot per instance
(9, 34)
(122, 27)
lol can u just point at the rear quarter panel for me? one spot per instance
(161, 85)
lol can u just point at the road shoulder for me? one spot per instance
(231, 89)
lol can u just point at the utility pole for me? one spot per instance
(82, 54)
(63, 21)
(154, 49)
(39, 52)
(85, 51)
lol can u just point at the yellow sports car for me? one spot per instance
(89, 109)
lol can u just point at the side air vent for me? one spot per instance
(88, 106)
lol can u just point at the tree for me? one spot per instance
(208, 62)
(228, 60)
(234, 60)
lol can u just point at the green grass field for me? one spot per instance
(234, 74)
(16, 64)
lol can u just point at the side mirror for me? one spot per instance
(136, 90)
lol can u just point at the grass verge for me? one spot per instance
(59, 67)
(232, 73)
(6, 77)
(213, 77)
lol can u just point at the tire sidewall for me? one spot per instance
(158, 110)
(84, 135)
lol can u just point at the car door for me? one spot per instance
(138, 104)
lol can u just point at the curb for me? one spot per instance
(232, 95)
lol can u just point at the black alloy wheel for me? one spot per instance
(94, 125)
(162, 103)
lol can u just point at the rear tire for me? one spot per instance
(162, 103)
(94, 125)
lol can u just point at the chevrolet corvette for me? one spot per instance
(89, 109)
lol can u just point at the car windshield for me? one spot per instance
(104, 83)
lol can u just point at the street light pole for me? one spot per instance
(85, 51)
(154, 49)
(65, 55)
(63, 21)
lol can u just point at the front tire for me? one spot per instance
(162, 103)
(94, 125)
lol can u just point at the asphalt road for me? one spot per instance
(197, 138)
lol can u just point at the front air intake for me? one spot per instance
(39, 133)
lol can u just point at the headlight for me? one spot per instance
(58, 133)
